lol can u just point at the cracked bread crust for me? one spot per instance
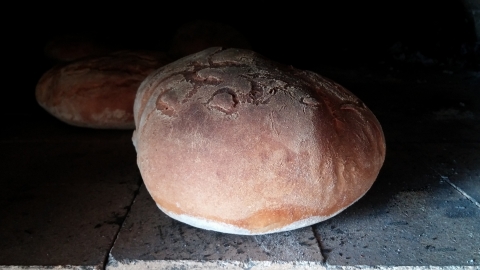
(97, 92)
(230, 141)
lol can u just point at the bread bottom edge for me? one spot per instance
(222, 227)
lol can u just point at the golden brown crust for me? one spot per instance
(97, 92)
(231, 137)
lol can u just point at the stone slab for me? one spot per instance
(149, 237)
(54, 267)
(48, 163)
(458, 164)
(39, 126)
(62, 204)
(410, 217)
(66, 190)
(62, 225)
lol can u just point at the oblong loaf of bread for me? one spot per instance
(97, 92)
(230, 141)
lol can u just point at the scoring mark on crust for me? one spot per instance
(203, 76)
(309, 101)
(260, 93)
(173, 95)
(165, 108)
(224, 100)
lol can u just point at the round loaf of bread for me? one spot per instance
(230, 141)
(97, 92)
